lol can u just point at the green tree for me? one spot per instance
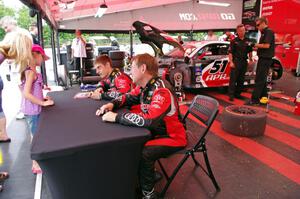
(23, 18)
(47, 35)
(4, 11)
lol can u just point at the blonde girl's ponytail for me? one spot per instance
(17, 45)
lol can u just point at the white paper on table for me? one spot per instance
(82, 95)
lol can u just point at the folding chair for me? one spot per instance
(205, 109)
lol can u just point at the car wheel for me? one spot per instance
(244, 121)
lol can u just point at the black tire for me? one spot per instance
(116, 54)
(118, 63)
(89, 63)
(244, 121)
(277, 69)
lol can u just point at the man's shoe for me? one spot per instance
(20, 116)
(150, 195)
(264, 100)
(252, 103)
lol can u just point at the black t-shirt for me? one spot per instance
(267, 37)
(240, 48)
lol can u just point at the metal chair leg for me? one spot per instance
(169, 181)
(211, 175)
(163, 169)
(194, 158)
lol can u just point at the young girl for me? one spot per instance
(33, 100)
(16, 46)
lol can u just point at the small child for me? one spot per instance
(32, 89)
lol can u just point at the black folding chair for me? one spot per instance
(205, 109)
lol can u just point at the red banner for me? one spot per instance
(283, 15)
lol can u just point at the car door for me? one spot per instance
(212, 61)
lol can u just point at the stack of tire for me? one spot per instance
(89, 61)
(117, 58)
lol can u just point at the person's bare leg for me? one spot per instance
(36, 169)
(3, 133)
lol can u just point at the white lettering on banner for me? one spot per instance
(268, 8)
(227, 16)
(207, 16)
(188, 17)
(135, 119)
(216, 77)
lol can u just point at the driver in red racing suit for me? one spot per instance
(114, 82)
(158, 112)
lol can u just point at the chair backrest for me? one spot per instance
(205, 109)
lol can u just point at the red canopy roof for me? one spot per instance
(166, 14)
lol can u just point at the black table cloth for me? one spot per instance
(83, 157)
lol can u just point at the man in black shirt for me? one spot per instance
(265, 52)
(238, 55)
(34, 33)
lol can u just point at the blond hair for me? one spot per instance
(8, 20)
(17, 45)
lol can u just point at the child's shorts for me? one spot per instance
(32, 121)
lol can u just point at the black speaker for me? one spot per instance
(116, 54)
(89, 63)
(89, 54)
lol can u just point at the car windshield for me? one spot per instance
(176, 52)
(100, 41)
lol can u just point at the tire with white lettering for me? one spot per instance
(245, 121)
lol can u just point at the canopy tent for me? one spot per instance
(169, 15)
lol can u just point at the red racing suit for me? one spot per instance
(116, 84)
(159, 112)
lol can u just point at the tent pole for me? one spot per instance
(41, 40)
(54, 55)
(58, 46)
(131, 42)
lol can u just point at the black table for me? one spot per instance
(83, 157)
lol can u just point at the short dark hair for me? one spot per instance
(262, 19)
(103, 59)
(240, 26)
(149, 61)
